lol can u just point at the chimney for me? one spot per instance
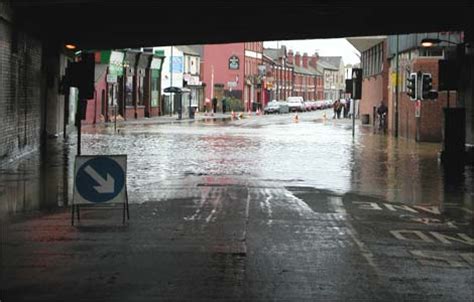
(290, 57)
(313, 61)
(297, 59)
(305, 60)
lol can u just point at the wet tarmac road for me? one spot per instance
(261, 209)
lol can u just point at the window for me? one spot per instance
(372, 60)
(141, 96)
(129, 91)
(431, 52)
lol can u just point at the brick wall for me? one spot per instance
(372, 94)
(20, 91)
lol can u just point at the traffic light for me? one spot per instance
(427, 92)
(81, 75)
(412, 86)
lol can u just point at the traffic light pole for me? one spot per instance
(447, 105)
(397, 88)
(353, 107)
(79, 124)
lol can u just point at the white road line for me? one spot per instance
(337, 205)
(208, 219)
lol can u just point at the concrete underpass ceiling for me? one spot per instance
(101, 24)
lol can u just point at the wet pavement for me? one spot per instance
(258, 209)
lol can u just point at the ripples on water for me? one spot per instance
(170, 161)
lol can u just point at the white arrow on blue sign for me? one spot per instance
(100, 179)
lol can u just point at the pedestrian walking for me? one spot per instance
(344, 109)
(335, 106)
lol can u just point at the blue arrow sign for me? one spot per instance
(99, 179)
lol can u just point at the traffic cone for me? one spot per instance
(296, 118)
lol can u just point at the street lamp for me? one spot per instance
(454, 118)
(430, 42)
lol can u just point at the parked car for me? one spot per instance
(308, 106)
(276, 107)
(296, 103)
(329, 103)
(284, 108)
(320, 105)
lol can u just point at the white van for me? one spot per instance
(295, 103)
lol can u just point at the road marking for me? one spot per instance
(432, 209)
(268, 207)
(337, 204)
(443, 259)
(208, 219)
(365, 205)
(399, 234)
(447, 239)
(393, 208)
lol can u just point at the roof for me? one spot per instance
(274, 53)
(310, 70)
(325, 65)
(188, 50)
(364, 43)
(333, 61)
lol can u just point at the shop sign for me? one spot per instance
(176, 65)
(116, 63)
(234, 62)
(111, 78)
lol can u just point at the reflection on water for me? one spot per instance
(170, 161)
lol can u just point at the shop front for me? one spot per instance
(152, 104)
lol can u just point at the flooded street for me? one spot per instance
(263, 208)
(172, 160)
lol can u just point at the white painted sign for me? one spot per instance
(100, 179)
(111, 78)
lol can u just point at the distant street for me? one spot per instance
(266, 208)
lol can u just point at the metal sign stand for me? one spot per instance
(76, 209)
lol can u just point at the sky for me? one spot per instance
(325, 47)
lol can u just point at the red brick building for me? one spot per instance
(375, 71)
(279, 74)
(308, 80)
(234, 70)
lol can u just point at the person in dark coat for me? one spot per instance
(214, 105)
(223, 105)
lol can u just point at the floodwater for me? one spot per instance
(171, 161)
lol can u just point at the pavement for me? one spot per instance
(166, 119)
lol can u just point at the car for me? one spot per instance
(276, 107)
(308, 106)
(320, 105)
(296, 103)
(284, 108)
